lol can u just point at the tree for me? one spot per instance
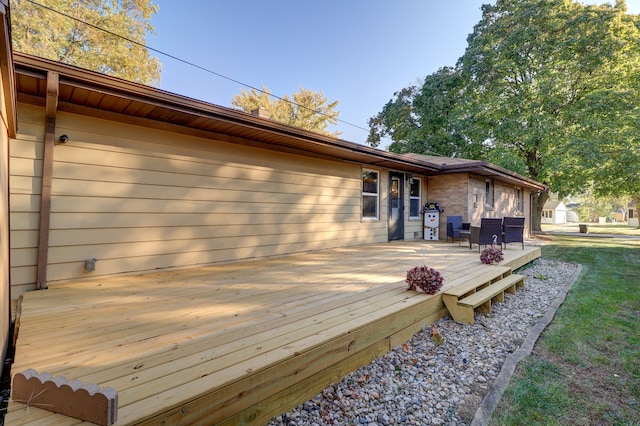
(423, 119)
(554, 80)
(397, 119)
(308, 109)
(64, 36)
(591, 208)
(549, 88)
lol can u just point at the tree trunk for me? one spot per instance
(537, 203)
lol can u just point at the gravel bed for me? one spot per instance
(422, 383)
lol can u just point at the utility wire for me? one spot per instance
(207, 70)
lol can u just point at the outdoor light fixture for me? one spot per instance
(90, 264)
(63, 139)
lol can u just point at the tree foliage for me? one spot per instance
(547, 88)
(423, 119)
(306, 109)
(42, 32)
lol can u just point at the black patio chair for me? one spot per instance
(454, 226)
(488, 233)
(513, 230)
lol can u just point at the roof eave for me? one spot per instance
(491, 170)
(7, 70)
(304, 140)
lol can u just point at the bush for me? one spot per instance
(491, 255)
(427, 279)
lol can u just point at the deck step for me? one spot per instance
(462, 301)
(471, 283)
(495, 290)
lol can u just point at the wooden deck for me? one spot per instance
(237, 343)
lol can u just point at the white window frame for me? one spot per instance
(371, 194)
(489, 191)
(415, 197)
(519, 200)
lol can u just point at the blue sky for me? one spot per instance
(356, 51)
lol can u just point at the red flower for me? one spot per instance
(427, 279)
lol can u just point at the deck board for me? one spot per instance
(229, 343)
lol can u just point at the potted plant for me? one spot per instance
(491, 255)
(427, 279)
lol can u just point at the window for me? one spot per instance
(631, 213)
(519, 201)
(488, 193)
(414, 198)
(548, 214)
(370, 191)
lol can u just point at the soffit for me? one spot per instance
(85, 92)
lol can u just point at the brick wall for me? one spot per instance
(452, 193)
(464, 195)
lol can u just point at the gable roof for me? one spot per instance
(552, 205)
(89, 93)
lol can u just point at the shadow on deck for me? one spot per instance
(238, 343)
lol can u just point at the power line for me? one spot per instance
(207, 70)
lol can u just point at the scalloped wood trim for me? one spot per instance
(72, 398)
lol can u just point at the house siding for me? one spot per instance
(557, 210)
(5, 303)
(139, 199)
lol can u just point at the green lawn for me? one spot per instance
(594, 228)
(585, 369)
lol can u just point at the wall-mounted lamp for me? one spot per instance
(90, 264)
(63, 139)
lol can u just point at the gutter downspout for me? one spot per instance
(47, 178)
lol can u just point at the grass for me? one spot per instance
(595, 228)
(585, 369)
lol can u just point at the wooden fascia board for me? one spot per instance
(176, 128)
(485, 169)
(128, 90)
(341, 149)
(8, 77)
(212, 112)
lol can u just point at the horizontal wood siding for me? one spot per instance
(6, 111)
(25, 184)
(139, 199)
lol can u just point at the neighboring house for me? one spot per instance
(109, 177)
(620, 215)
(554, 212)
(632, 214)
(572, 216)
